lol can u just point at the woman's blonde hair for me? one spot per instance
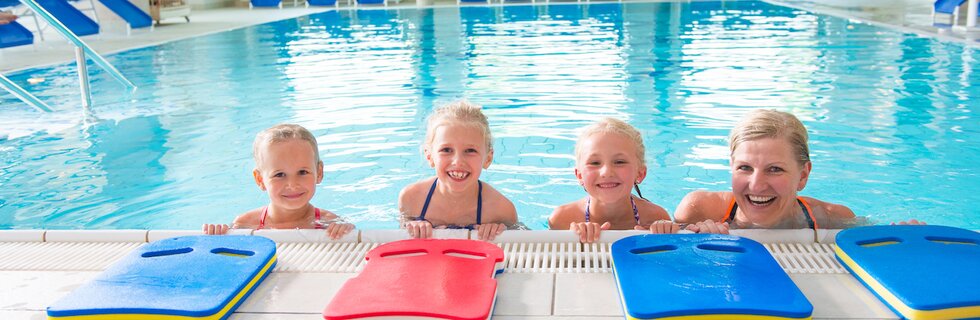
(763, 123)
(459, 112)
(611, 125)
(283, 132)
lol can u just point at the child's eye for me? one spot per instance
(446, 150)
(304, 172)
(621, 162)
(593, 163)
(471, 150)
(278, 175)
(743, 168)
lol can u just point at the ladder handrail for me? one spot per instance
(98, 59)
(25, 96)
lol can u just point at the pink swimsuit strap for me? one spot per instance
(265, 212)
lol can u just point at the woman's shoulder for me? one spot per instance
(700, 205)
(829, 210)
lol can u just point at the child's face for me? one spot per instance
(608, 166)
(289, 173)
(766, 176)
(458, 153)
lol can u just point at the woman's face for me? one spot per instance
(766, 175)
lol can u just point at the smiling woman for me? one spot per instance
(770, 163)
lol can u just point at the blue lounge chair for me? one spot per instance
(265, 3)
(134, 17)
(950, 7)
(322, 3)
(75, 20)
(14, 34)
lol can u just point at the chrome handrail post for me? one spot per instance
(83, 77)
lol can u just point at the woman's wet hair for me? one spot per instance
(764, 123)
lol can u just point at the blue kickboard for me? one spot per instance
(191, 276)
(682, 275)
(918, 271)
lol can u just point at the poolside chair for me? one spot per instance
(14, 34)
(265, 3)
(334, 3)
(950, 7)
(381, 2)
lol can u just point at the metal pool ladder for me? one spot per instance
(81, 48)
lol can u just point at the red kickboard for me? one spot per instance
(439, 278)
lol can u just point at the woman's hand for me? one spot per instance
(215, 228)
(419, 229)
(489, 231)
(588, 232)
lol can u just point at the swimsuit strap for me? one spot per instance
(265, 212)
(732, 207)
(636, 213)
(479, 201)
(807, 213)
(428, 198)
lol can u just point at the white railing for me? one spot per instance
(81, 49)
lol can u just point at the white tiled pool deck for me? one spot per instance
(548, 274)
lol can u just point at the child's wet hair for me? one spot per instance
(283, 132)
(458, 112)
(611, 125)
(764, 123)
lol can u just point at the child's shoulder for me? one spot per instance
(565, 214)
(497, 204)
(414, 189)
(249, 219)
(650, 212)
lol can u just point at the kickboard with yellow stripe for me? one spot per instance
(191, 277)
(920, 272)
(703, 276)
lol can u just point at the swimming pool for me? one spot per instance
(891, 114)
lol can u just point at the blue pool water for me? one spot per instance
(892, 115)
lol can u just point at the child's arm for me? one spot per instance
(571, 217)
(409, 198)
(504, 213)
(337, 227)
